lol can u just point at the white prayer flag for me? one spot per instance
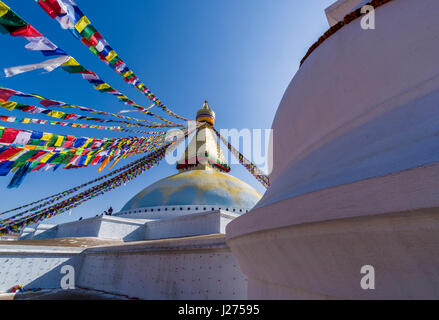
(65, 22)
(125, 111)
(22, 137)
(40, 44)
(48, 65)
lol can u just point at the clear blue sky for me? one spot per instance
(238, 54)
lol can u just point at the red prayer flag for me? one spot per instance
(26, 31)
(119, 62)
(5, 94)
(95, 160)
(9, 135)
(92, 42)
(87, 43)
(48, 103)
(69, 142)
(37, 155)
(28, 108)
(69, 115)
(95, 38)
(8, 153)
(101, 56)
(52, 7)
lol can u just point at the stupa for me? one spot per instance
(202, 183)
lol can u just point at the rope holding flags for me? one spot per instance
(253, 169)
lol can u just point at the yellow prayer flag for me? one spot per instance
(47, 157)
(102, 86)
(26, 120)
(56, 114)
(10, 105)
(37, 96)
(59, 141)
(111, 55)
(71, 62)
(88, 143)
(3, 9)
(126, 74)
(81, 24)
(46, 136)
(88, 159)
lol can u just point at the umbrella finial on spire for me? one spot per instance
(206, 114)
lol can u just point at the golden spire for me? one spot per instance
(203, 151)
(206, 114)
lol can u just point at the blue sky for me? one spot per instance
(240, 55)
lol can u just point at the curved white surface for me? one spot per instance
(355, 144)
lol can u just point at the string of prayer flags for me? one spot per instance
(6, 94)
(70, 17)
(14, 224)
(253, 169)
(11, 105)
(53, 198)
(13, 24)
(68, 63)
(73, 125)
(54, 142)
(43, 148)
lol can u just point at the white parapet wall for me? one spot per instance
(40, 231)
(34, 266)
(128, 229)
(189, 225)
(187, 268)
(104, 227)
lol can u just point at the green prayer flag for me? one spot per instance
(34, 142)
(93, 50)
(11, 22)
(69, 156)
(59, 159)
(75, 69)
(52, 141)
(88, 32)
(114, 60)
(105, 89)
(24, 157)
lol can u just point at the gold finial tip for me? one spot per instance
(206, 114)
